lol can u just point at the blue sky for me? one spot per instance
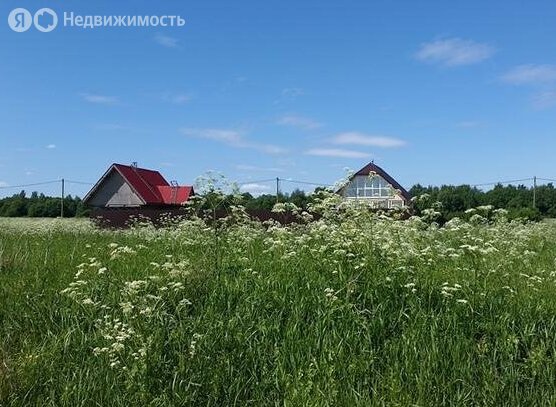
(435, 92)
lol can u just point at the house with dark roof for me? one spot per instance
(371, 183)
(127, 186)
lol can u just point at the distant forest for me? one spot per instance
(40, 206)
(520, 201)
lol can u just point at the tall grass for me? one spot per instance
(354, 309)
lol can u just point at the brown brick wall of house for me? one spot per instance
(124, 217)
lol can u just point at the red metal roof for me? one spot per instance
(174, 195)
(143, 181)
(149, 185)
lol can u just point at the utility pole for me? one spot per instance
(277, 188)
(62, 200)
(535, 192)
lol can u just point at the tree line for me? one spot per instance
(519, 201)
(41, 206)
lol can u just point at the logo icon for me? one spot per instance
(45, 20)
(20, 20)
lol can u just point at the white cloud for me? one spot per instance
(232, 138)
(265, 148)
(255, 189)
(178, 98)
(545, 99)
(4, 184)
(288, 95)
(292, 93)
(454, 52)
(361, 139)
(100, 99)
(166, 41)
(226, 136)
(467, 124)
(299, 121)
(234, 83)
(110, 126)
(181, 98)
(530, 75)
(243, 167)
(337, 152)
(51, 146)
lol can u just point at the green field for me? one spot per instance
(353, 309)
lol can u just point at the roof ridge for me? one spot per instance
(139, 168)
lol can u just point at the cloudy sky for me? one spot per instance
(435, 92)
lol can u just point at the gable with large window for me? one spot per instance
(363, 186)
(374, 188)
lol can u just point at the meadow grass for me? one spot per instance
(352, 309)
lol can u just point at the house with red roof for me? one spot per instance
(128, 186)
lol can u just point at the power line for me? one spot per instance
(30, 185)
(260, 181)
(79, 182)
(503, 182)
(293, 181)
(256, 181)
